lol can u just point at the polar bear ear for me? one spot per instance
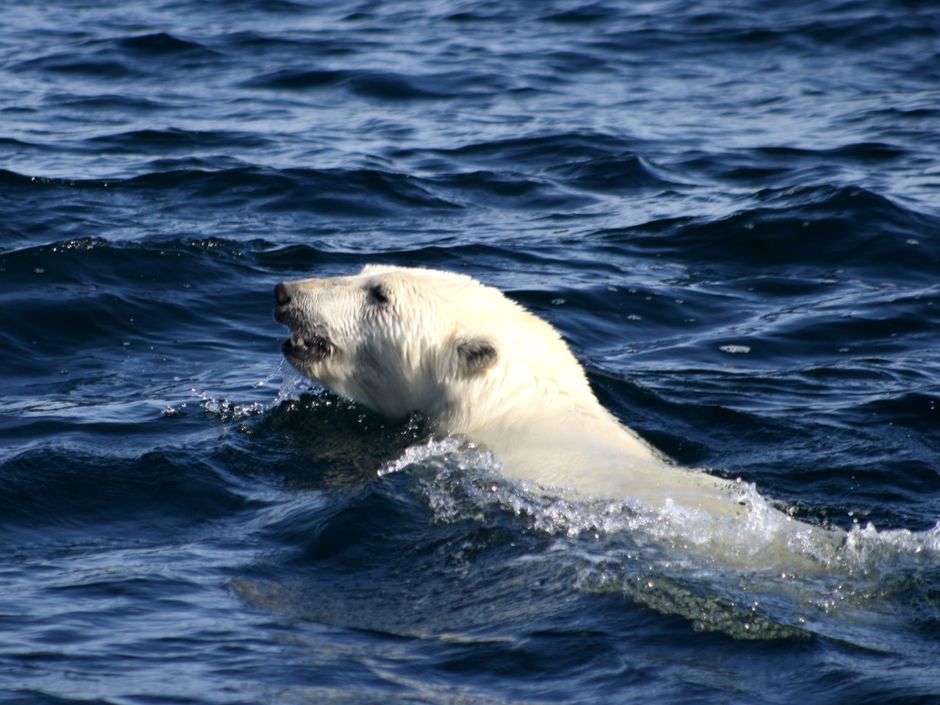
(475, 355)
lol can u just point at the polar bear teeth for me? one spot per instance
(313, 347)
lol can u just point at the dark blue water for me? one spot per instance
(730, 210)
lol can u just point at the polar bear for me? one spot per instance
(479, 365)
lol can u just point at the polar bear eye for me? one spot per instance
(378, 294)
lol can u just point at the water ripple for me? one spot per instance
(730, 213)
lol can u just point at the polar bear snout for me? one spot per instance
(283, 311)
(282, 294)
(307, 344)
(285, 294)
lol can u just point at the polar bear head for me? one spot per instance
(402, 339)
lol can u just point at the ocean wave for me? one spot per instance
(159, 45)
(494, 189)
(258, 41)
(98, 67)
(622, 173)
(788, 167)
(65, 487)
(107, 102)
(537, 150)
(337, 192)
(386, 85)
(121, 58)
(173, 139)
(918, 411)
(827, 227)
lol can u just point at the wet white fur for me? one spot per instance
(530, 403)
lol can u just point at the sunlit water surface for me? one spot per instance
(731, 212)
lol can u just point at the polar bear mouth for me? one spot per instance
(312, 348)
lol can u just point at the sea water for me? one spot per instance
(730, 210)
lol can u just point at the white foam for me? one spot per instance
(757, 574)
(755, 534)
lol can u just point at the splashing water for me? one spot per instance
(291, 387)
(723, 574)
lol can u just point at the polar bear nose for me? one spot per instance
(281, 294)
